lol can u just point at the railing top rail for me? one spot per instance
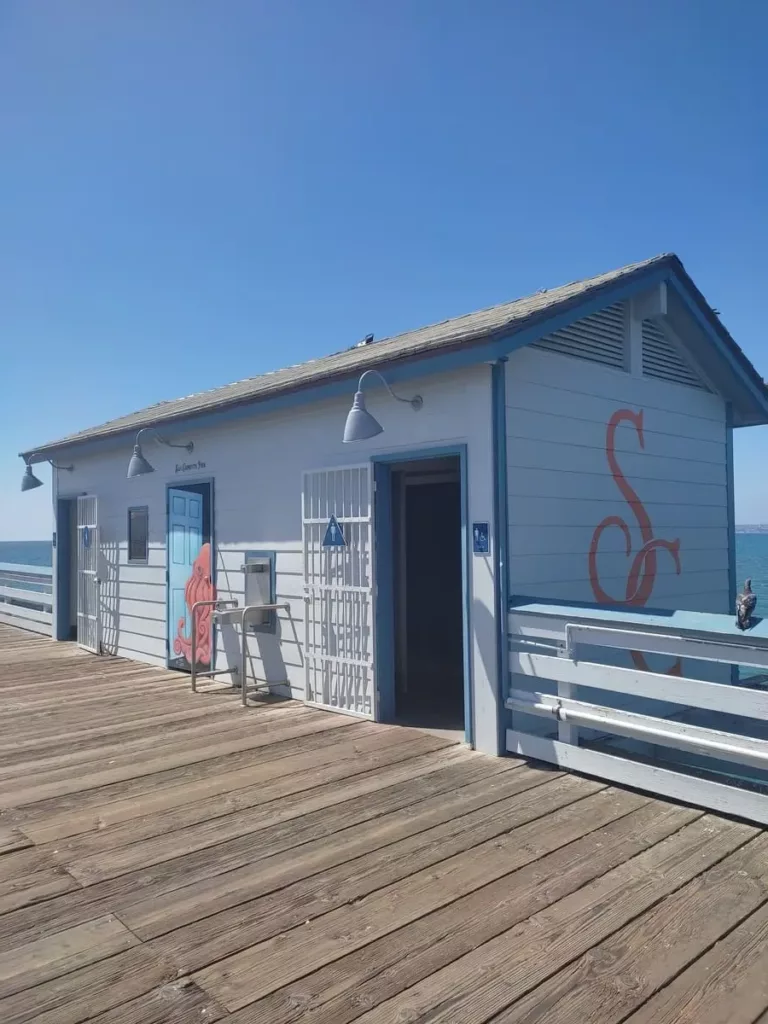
(697, 625)
(27, 570)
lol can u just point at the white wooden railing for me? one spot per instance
(580, 698)
(26, 597)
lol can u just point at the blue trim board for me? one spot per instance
(733, 583)
(173, 485)
(424, 364)
(167, 574)
(419, 454)
(384, 651)
(501, 525)
(469, 712)
(384, 577)
(725, 350)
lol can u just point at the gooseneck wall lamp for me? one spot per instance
(29, 481)
(138, 465)
(360, 424)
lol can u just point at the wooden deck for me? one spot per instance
(169, 858)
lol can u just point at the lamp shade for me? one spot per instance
(138, 465)
(360, 424)
(29, 481)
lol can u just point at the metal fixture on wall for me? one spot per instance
(360, 423)
(29, 481)
(138, 465)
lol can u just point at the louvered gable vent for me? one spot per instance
(662, 360)
(600, 338)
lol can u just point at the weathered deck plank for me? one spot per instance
(88, 991)
(306, 867)
(649, 951)
(344, 989)
(40, 961)
(728, 985)
(479, 986)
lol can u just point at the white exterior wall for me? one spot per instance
(560, 484)
(256, 465)
(561, 487)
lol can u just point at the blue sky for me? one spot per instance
(196, 192)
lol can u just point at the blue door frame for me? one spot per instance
(384, 577)
(203, 491)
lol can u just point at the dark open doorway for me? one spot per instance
(65, 557)
(428, 593)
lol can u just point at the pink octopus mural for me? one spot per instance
(199, 588)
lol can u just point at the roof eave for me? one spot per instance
(746, 389)
(750, 403)
(478, 347)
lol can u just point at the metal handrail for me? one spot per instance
(218, 603)
(244, 646)
(738, 650)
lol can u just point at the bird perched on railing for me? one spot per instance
(745, 606)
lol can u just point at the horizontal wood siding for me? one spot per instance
(561, 485)
(256, 466)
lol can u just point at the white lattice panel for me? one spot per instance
(339, 590)
(88, 614)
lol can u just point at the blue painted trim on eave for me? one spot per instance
(422, 365)
(501, 581)
(731, 505)
(760, 395)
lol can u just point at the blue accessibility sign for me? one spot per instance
(334, 536)
(480, 538)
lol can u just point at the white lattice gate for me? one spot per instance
(88, 611)
(338, 584)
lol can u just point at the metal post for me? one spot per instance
(202, 604)
(244, 645)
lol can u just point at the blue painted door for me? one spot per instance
(185, 540)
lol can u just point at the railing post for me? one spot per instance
(244, 643)
(566, 732)
(26, 596)
(218, 603)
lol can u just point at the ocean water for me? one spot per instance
(751, 559)
(26, 552)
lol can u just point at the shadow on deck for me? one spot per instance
(168, 858)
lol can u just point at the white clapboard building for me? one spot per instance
(572, 446)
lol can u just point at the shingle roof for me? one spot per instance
(469, 329)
